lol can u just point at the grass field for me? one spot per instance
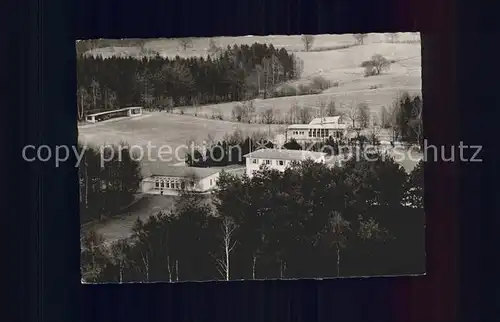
(161, 128)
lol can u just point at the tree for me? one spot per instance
(267, 116)
(416, 123)
(213, 49)
(119, 258)
(228, 227)
(375, 65)
(360, 38)
(185, 43)
(110, 99)
(307, 40)
(84, 102)
(96, 92)
(364, 115)
(305, 115)
(337, 233)
(331, 109)
(93, 258)
(415, 187)
(353, 114)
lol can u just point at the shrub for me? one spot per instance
(320, 83)
(285, 90)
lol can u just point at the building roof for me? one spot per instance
(283, 154)
(163, 169)
(330, 126)
(328, 119)
(114, 111)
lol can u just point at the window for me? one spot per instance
(157, 184)
(162, 184)
(210, 181)
(254, 161)
(281, 162)
(168, 184)
(182, 185)
(268, 161)
(177, 184)
(310, 133)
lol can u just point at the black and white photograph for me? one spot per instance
(250, 158)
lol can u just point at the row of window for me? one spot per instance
(269, 162)
(318, 133)
(170, 184)
(175, 184)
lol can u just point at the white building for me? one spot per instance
(127, 111)
(318, 129)
(167, 179)
(279, 159)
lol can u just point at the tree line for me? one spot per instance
(105, 189)
(234, 74)
(364, 218)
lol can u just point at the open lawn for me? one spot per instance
(342, 66)
(160, 128)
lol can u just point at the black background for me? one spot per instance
(459, 69)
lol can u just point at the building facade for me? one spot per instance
(318, 129)
(279, 159)
(167, 180)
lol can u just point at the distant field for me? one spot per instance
(342, 66)
(170, 47)
(161, 128)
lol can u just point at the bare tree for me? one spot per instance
(307, 40)
(360, 38)
(92, 246)
(144, 79)
(145, 261)
(331, 109)
(109, 98)
(298, 66)
(353, 114)
(84, 102)
(322, 108)
(293, 114)
(228, 227)
(96, 91)
(185, 43)
(364, 115)
(118, 256)
(338, 230)
(305, 115)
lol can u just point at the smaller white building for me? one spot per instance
(318, 129)
(162, 179)
(279, 159)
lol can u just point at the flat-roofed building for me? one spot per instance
(318, 129)
(168, 179)
(279, 159)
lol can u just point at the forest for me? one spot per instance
(237, 73)
(365, 218)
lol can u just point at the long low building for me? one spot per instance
(162, 179)
(126, 111)
(317, 129)
(279, 159)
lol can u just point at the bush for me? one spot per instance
(320, 83)
(285, 90)
(307, 90)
